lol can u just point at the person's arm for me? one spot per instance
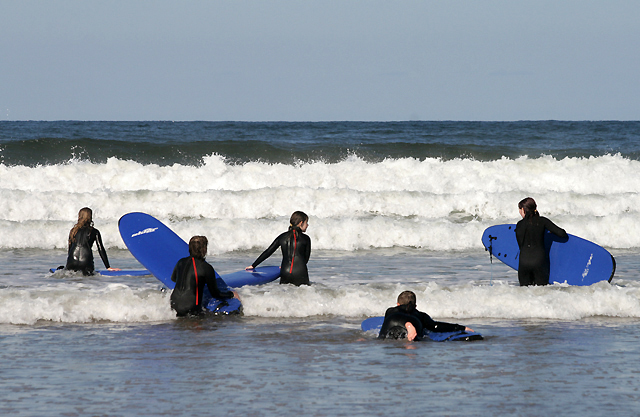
(212, 283)
(550, 226)
(438, 326)
(103, 252)
(307, 252)
(520, 233)
(174, 274)
(268, 252)
(412, 333)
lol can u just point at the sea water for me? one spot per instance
(392, 206)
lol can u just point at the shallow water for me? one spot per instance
(319, 367)
(286, 357)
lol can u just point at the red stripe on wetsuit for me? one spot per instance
(197, 286)
(295, 246)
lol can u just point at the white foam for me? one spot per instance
(353, 204)
(459, 302)
(80, 303)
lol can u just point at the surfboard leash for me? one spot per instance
(491, 239)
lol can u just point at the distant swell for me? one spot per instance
(188, 143)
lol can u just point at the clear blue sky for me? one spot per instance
(296, 60)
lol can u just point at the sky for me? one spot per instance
(298, 60)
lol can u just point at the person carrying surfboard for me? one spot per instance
(81, 239)
(191, 274)
(533, 264)
(296, 250)
(405, 320)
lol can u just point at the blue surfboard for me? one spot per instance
(158, 248)
(122, 272)
(572, 260)
(258, 276)
(375, 324)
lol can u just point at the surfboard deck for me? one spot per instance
(159, 248)
(572, 260)
(123, 272)
(375, 324)
(258, 276)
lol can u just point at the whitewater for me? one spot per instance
(353, 204)
(390, 212)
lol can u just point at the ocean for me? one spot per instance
(393, 206)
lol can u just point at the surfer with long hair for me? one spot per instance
(81, 239)
(533, 266)
(296, 250)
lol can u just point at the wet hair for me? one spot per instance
(530, 208)
(408, 300)
(296, 218)
(198, 246)
(85, 218)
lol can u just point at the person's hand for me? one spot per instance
(114, 269)
(411, 331)
(235, 294)
(249, 268)
(469, 329)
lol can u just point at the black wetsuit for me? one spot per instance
(533, 265)
(80, 257)
(190, 275)
(395, 318)
(296, 250)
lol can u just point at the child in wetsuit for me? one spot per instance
(533, 263)
(81, 239)
(405, 321)
(191, 274)
(296, 250)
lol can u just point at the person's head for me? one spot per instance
(85, 218)
(198, 247)
(407, 299)
(528, 207)
(299, 220)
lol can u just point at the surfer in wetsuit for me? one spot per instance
(81, 239)
(405, 321)
(296, 250)
(191, 274)
(533, 264)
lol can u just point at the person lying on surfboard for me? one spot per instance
(533, 265)
(405, 321)
(81, 239)
(191, 274)
(296, 250)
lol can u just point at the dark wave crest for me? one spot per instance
(167, 143)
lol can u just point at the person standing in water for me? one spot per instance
(533, 266)
(81, 239)
(191, 274)
(296, 250)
